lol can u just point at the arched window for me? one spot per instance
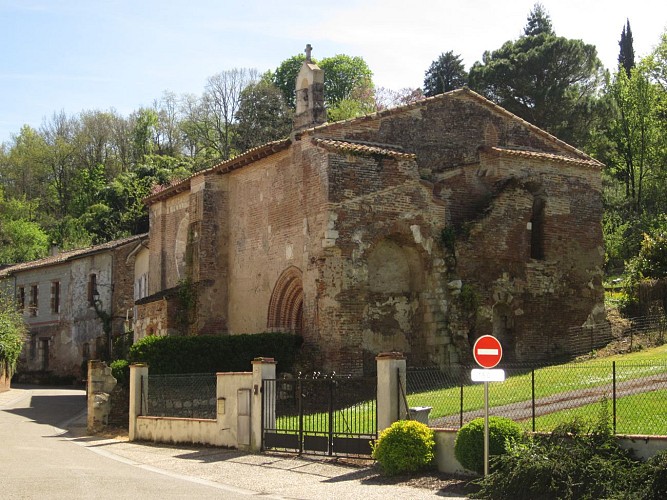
(286, 304)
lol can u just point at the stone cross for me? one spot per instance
(309, 49)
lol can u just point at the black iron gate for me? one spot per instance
(324, 416)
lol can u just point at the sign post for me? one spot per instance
(487, 352)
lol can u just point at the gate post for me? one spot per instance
(390, 387)
(262, 369)
(138, 403)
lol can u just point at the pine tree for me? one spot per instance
(626, 57)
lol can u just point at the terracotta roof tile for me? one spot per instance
(549, 156)
(362, 148)
(69, 255)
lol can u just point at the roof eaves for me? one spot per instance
(362, 148)
(544, 156)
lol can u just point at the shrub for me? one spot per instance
(205, 354)
(120, 369)
(653, 478)
(405, 446)
(578, 460)
(469, 445)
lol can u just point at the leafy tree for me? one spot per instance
(626, 56)
(262, 117)
(348, 83)
(550, 81)
(637, 132)
(446, 73)
(284, 78)
(13, 331)
(343, 76)
(21, 239)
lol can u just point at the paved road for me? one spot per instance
(39, 460)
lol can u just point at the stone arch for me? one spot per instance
(286, 304)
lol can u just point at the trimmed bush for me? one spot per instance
(405, 446)
(207, 353)
(469, 445)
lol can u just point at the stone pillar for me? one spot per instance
(262, 369)
(100, 384)
(391, 404)
(138, 395)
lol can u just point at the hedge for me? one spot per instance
(208, 354)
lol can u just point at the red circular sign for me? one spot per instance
(487, 351)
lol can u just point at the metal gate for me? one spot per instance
(323, 416)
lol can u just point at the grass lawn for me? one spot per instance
(644, 413)
(548, 381)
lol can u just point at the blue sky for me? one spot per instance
(76, 55)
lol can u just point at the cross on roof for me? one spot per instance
(309, 49)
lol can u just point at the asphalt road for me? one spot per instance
(39, 461)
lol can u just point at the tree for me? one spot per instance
(445, 73)
(387, 98)
(636, 132)
(13, 332)
(343, 76)
(21, 239)
(262, 116)
(550, 81)
(626, 56)
(284, 78)
(348, 83)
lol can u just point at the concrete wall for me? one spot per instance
(238, 417)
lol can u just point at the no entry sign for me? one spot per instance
(487, 351)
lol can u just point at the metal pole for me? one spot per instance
(461, 411)
(613, 369)
(486, 428)
(532, 377)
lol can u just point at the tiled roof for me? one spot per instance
(69, 255)
(463, 92)
(548, 156)
(362, 148)
(239, 161)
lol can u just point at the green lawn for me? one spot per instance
(548, 381)
(644, 413)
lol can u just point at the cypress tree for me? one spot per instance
(626, 57)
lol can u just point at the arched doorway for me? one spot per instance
(286, 304)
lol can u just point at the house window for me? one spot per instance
(537, 229)
(34, 302)
(33, 348)
(55, 297)
(21, 298)
(92, 289)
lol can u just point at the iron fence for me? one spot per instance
(329, 415)
(190, 395)
(634, 394)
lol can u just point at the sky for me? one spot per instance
(79, 55)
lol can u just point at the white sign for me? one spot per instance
(487, 375)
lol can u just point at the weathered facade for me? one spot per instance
(416, 229)
(73, 303)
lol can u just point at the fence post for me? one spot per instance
(390, 373)
(138, 396)
(461, 406)
(532, 380)
(262, 369)
(613, 374)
